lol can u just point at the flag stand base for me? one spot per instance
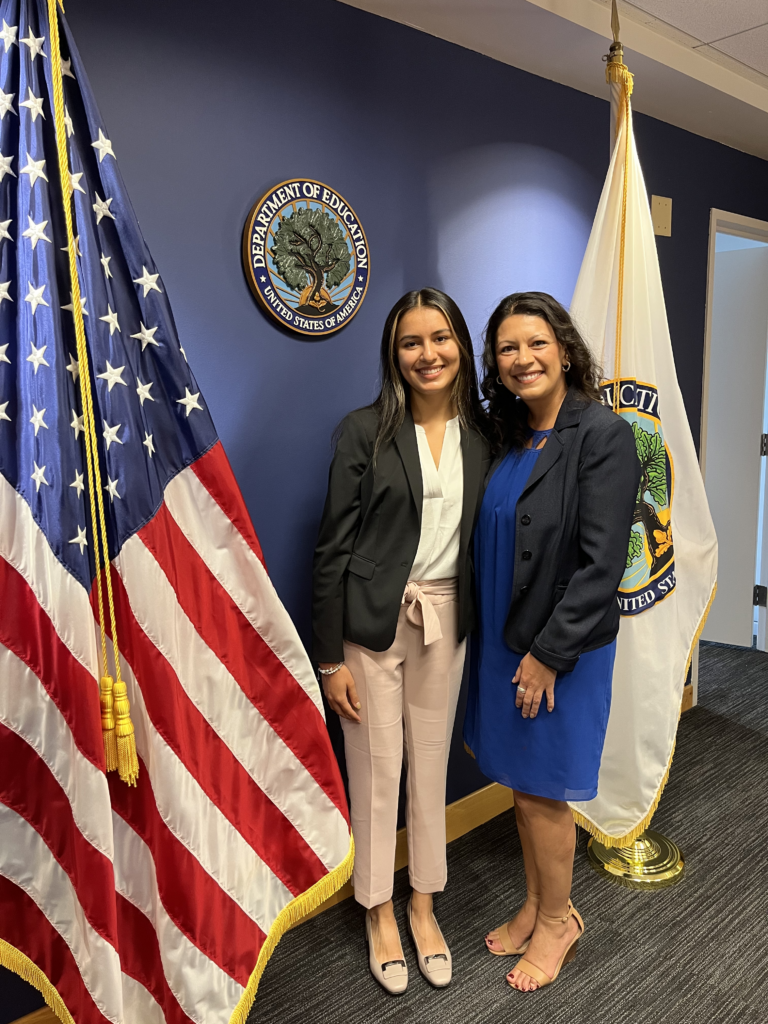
(651, 862)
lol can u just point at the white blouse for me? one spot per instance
(437, 557)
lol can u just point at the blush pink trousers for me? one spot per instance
(408, 696)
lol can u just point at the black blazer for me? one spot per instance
(572, 536)
(369, 535)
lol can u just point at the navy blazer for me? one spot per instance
(572, 535)
(370, 531)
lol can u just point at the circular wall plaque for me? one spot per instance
(306, 257)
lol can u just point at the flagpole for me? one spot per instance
(650, 861)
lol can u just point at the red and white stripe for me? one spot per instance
(150, 904)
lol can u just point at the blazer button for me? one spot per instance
(525, 519)
(527, 556)
(524, 590)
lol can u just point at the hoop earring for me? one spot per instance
(498, 380)
(567, 368)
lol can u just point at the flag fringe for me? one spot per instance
(286, 919)
(14, 960)
(632, 835)
(19, 963)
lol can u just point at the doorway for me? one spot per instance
(734, 425)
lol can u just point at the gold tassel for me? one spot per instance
(615, 71)
(108, 722)
(127, 758)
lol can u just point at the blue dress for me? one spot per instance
(556, 754)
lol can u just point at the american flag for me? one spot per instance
(159, 902)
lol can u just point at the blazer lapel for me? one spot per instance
(472, 458)
(408, 448)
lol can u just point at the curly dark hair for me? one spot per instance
(508, 415)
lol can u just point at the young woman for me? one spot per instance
(392, 606)
(550, 549)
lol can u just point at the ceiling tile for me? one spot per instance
(751, 48)
(707, 19)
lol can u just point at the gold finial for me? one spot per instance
(615, 21)
(616, 54)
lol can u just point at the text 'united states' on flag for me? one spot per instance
(159, 900)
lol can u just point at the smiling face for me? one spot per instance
(530, 359)
(426, 350)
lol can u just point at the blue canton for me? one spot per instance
(151, 419)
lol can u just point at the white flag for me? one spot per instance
(671, 571)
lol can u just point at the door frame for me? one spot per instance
(723, 222)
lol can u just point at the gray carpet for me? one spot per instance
(694, 954)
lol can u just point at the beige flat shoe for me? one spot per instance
(392, 975)
(535, 972)
(438, 967)
(505, 939)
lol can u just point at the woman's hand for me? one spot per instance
(341, 692)
(536, 679)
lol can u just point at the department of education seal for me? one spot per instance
(306, 257)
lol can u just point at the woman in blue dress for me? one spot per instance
(550, 550)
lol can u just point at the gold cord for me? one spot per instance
(118, 732)
(619, 73)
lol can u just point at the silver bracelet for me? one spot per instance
(330, 671)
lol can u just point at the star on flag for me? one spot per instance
(35, 45)
(146, 336)
(37, 420)
(36, 232)
(148, 281)
(112, 376)
(190, 402)
(111, 488)
(111, 319)
(103, 146)
(80, 538)
(101, 208)
(35, 170)
(34, 104)
(77, 424)
(8, 35)
(35, 297)
(37, 358)
(110, 434)
(39, 476)
(5, 166)
(78, 484)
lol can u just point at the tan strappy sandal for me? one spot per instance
(535, 972)
(504, 937)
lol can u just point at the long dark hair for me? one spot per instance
(394, 393)
(508, 415)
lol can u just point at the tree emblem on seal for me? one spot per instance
(311, 255)
(653, 484)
